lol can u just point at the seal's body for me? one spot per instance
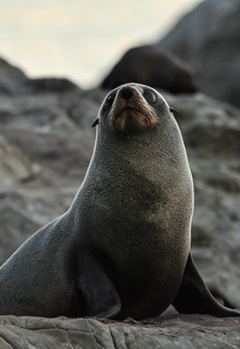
(123, 247)
(139, 187)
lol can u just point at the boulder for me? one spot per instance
(153, 66)
(207, 38)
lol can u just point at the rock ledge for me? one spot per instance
(177, 331)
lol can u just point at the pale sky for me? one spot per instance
(81, 39)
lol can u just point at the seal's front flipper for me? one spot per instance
(194, 296)
(97, 290)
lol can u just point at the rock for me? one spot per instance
(207, 38)
(153, 66)
(46, 85)
(9, 73)
(192, 331)
(14, 81)
(42, 122)
(14, 166)
(40, 85)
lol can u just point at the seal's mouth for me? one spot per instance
(131, 118)
(131, 112)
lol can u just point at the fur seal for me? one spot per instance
(153, 66)
(123, 247)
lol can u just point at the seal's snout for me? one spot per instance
(130, 111)
(127, 92)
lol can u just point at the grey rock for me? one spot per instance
(9, 72)
(47, 85)
(13, 81)
(14, 166)
(207, 38)
(27, 86)
(192, 331)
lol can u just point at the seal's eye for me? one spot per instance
(150, 96)
(110, 100)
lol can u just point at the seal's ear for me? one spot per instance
(95, 123)
(174, 111)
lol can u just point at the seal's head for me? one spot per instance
(132, 108)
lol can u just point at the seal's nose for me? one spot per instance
(127, 92)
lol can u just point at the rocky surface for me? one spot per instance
(207, 38)
(191, 332)
(46, 141)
